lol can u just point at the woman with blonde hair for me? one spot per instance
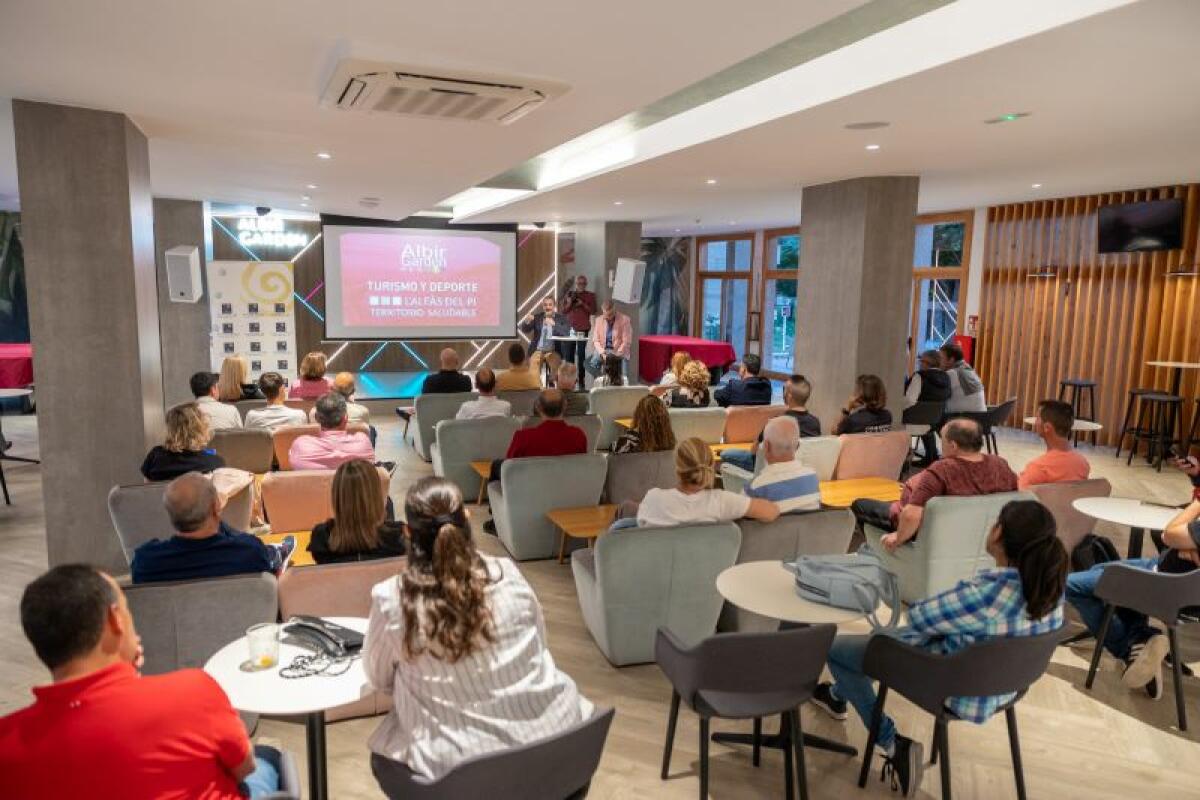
(694, 500)
(358, 530)
(458, 640)
(692, 391)
(185, 449)
(312, 383)
(233, 384)
(651, 431)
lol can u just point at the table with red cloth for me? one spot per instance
(654, 354)
(16, 365)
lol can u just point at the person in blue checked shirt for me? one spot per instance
(1023, 596)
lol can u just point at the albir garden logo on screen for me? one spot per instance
(423, 258)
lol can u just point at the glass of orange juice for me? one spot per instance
(263, 640)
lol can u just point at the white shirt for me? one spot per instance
(913, 392)
(271, 417)
(355, 412)
(506, 694)
(219, 415)
(485, 406)
(788, 484)
(673, 507)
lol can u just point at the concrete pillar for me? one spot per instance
(598, 245)
(89, 249)
(855, 285)
(183, 327)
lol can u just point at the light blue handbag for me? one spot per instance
(854, 581)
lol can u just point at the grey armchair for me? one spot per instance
(998, 666)
(631, 475)
(1071, 525)
(590, 424)
(554, 768)
(529, 487)
(634, 581)
(251, 449)
(745, 676)
(461, 441)
(1163, 596)
(432, 409)
(138, 515)
(244, 407)
(706, 424)
(521, 400)
(611, 403)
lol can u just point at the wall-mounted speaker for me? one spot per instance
(183, 274)
(627, 285)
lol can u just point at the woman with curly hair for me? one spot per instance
(651, 431)
(692, 391)
(458, 640)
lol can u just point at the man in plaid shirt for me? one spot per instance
(1022, 597)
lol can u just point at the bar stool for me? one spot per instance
(1078, 386)
(1165, 412)
(1134, 396)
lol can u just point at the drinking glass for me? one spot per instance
(263, 640)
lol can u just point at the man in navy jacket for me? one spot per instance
(748, 389)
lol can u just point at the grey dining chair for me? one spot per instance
(993, 667)
(559, 767)
(745, 676)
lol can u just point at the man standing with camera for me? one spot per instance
(579, 305)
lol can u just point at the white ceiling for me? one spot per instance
(228, 90)
(1114, 102)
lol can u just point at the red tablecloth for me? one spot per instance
(16, 366)
(654, 354)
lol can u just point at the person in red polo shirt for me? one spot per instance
(552, 437)
(101, 729)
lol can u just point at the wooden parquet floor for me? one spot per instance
(1107, 743)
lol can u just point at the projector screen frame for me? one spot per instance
(418, 223)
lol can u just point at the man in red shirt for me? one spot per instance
(964, 471)
(579, 305)
(101, 729)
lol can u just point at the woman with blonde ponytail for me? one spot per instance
(694, 500)
(458, 640)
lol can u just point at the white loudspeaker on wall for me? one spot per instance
(627, 288)
(183, 274)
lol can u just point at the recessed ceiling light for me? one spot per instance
(711, 181)
(618, 202)
(324, 155)
(1012, 116)
(305, 197)
(866, 126)
(872, 147)
(733, 222)
(1035, 186)
(311, 186)
(304, 205)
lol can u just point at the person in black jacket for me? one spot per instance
(185, 449)
(748, 389)
(866, 410)
(930, 383)
(448, 379)
(359, 530)
(540, 326)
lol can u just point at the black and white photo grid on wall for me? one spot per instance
(253, 315)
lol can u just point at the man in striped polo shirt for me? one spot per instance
(784, 480)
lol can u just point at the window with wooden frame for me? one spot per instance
(723, 274)
(781, 264)
(941, 256)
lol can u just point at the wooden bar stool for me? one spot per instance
(1165, 412)
(1134, 396)
(1078, 386)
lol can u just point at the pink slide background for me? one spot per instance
(432, 259)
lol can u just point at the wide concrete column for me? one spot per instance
(88, 231)
(855, 285)
(598, 245)
(183, 327)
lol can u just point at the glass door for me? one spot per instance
(724, 288)
(941, 253)
(779, 301)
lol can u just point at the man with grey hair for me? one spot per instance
(203, 545)
(785, 480)
(333, 445)
(566, 381)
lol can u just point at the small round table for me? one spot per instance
(769, 589)
(266, 692)
(1139, 517)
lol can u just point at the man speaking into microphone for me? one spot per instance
(579, 305)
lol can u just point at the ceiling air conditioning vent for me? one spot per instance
(395, 89)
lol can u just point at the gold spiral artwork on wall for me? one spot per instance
(268, 281)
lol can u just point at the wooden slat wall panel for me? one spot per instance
(1102, 316)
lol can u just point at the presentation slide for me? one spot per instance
(415, 283)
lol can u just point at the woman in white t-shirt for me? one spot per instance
(694, 500)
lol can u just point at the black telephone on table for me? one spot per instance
(322, 636)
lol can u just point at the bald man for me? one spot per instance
(447, 379)
(203, 546)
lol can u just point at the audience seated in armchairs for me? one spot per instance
(233, 384)
(551, 437)
(488, 405)
(454, 631)
(692, 391)
(333, 445)
(866, 410)
(126, 735)
(566, 380)
(795, 396)
(185, 448)
(785, 481)
(651, 431)
(219, 415)
(964, 472)
(312, 383)
(1023, 596)
(203, 546)
(275, 413)
(748, 389)
(519, 374)
(358, 530)
(1060, 463)
(447, 380)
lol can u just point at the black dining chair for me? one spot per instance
(1163, 596)
(559, 767)
(993, 667)
(745, 676)
(926, 414)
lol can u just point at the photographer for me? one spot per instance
(579, 305)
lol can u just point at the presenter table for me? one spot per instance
(654, 354)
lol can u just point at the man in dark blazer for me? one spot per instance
(748, 389)
(540, 326)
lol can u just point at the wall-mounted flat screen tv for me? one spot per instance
(1134, 227)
